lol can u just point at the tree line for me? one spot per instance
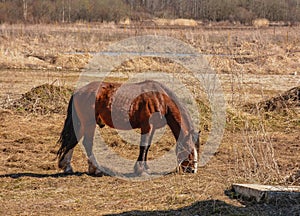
(243, 11)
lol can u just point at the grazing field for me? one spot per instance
(259, 71)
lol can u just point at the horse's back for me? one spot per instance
(118, 104)
(115, 103)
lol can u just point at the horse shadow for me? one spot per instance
(40, 175)
(106, 172)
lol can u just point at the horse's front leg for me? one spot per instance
(88, 145)
(141, 165)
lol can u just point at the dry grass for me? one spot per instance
(258, 147)
(256, 51)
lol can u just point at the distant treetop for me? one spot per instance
(243, 11)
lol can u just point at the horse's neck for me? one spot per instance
(178, 124)
(178, 118)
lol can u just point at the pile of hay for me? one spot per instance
(44, 99)
(260, 23)
(175, 22)
(288, 100)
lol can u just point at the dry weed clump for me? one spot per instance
(43, 99)
(253, 153)
(257, 158)
(143, 64)
(294, 178)
(72, 61)
(288, 100)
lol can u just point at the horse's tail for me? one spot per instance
(68, 139)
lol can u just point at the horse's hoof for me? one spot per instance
(98, 173)
(141, 169)
(68, 170)
(138, 168)
(92, 168)
(145, 174)
(148, 171)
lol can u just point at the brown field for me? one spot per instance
(258, 146)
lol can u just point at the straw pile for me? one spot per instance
(43, 99)
(259, 23)
(175, 22)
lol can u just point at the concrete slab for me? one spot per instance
(267, 193)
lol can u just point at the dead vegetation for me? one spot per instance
(294, 178)
(52, 47)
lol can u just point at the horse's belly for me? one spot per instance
(118, 119)
(124, 121)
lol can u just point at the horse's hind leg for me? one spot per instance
(88, 145)
(65, 162)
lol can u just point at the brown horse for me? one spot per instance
(147, 105)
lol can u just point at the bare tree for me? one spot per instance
(69, 10)
(25, 10)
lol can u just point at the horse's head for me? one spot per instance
(187, 153)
